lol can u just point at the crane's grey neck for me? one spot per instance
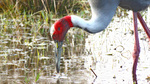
(102, 13)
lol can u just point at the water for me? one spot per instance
(28, 57)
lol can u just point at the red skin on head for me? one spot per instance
(61, 27)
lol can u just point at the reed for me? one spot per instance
(57, 7)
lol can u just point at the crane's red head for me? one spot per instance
(60, 28)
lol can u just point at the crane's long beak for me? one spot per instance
(58, 50)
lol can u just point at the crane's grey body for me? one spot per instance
(104, 10)
(135, 5)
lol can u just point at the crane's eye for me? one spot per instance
(58, 28)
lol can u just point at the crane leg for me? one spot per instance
(136, 51)
(146, 29)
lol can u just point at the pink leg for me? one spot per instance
(136, 48)
(147, 30)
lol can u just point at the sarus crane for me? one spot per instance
(102, 13)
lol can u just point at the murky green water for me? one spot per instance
(29, 57)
